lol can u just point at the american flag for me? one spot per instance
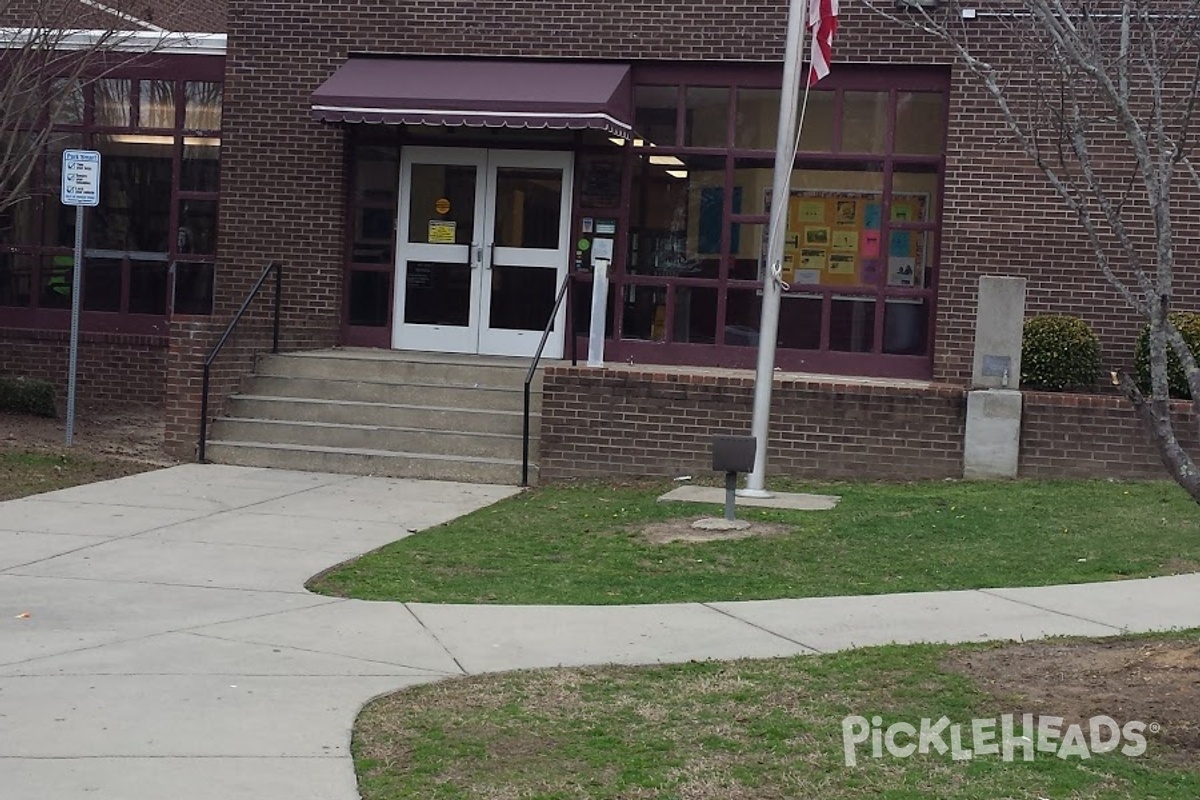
(823, 22)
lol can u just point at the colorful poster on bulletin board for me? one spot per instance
(837, 239)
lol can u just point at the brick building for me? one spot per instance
(428, 173)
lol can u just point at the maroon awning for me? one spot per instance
(478, 93)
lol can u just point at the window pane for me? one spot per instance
(695, 315)
(743, 317)
(101, 284)
(148, 287)
(442, 195)
(864, 122)
(59, 220)
(581, 308)
(18, 223)
(757, 119)
(197, 227)
(707, 117)
(914, 193)
(655, 114)
(920, 123)
(373, 235)
(799, 322)
(376, 174)
(522, 298)
(201, 168)
(370, 298)
(905, 326)
(54, 290)
(677, 216)
(528, 208)
(817, 135)
(202, 106)
(748, 247)
(135, 195)
(16, 279)
(852, 325)
(645, 313)
(193, 287)
(66, 102)
(437, 294)
(113, 102)
(156, 104)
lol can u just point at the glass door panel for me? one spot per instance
(528, 214)
(483, 250)
(437, 258)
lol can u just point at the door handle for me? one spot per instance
(491, 256)
(476, 255)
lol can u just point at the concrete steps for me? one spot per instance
(382, 412)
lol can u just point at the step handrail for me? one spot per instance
(568, 280)
(208, 362)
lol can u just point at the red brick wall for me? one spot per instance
(191, 343)
(111, 368)
(283, 174)
(1083, 436)
(602, 423)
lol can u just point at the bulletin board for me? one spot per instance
(835, 238)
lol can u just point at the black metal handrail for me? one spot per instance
(568, 280)
(278, 268)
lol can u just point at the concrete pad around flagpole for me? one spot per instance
(715, 495)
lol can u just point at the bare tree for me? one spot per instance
(1101, 97)
(49, 51)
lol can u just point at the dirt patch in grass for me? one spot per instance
(108, 443)
(1155, 681)
(130, 433)
(681, 530)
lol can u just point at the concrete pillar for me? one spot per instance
(993, 430)
(992, 447)
(999, 320)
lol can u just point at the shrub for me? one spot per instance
(1059, 352)
(27, 396)
(1188, 324)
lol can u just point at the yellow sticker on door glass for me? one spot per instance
(442, 206)
(441, 231)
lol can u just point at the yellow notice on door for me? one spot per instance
(442, 231)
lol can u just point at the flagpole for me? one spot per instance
(780, 193)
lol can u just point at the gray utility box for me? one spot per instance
(733, 453)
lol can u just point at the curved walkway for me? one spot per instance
(156, 640)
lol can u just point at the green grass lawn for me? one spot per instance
(582, 545)
(743, 729)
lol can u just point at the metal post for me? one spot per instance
(571, 313)
(730, 495)
(278, 305)
(76, 302)
(599, 313)
(780, 195)
(525, 441)
(203, 413)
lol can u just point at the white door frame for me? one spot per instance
(444, 338)
(500, 341)
(477, 336)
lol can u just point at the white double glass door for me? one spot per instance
(481, 249)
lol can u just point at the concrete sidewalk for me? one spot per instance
(156, 640)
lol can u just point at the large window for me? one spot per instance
(151, 244)
(862, 221)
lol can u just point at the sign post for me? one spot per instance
(80, 188)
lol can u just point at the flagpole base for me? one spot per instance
(759, 494)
